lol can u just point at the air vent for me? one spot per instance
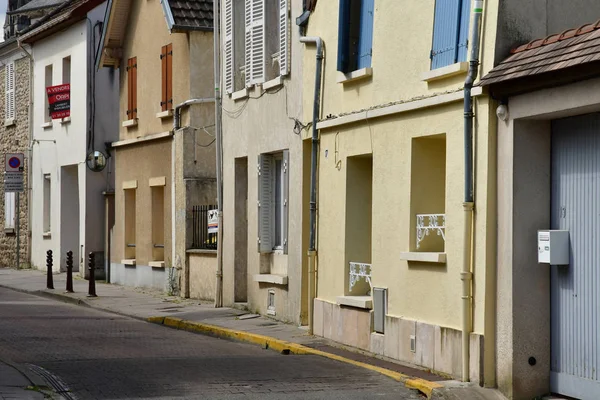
(413, 343)
(271, 302)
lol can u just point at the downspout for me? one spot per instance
(29, 151)
(469, 204)
(219, 150)
(312, 277)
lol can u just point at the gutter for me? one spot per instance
(312, 252)
(466, 274)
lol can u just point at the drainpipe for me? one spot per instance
(29, 150)
(219, 150)
(312, 276)
(466, 275)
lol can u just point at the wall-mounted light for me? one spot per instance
(502, 112)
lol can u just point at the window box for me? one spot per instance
(445, 72)
(359, 74)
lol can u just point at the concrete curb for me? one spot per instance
(285, 347)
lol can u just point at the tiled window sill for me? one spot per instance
(355, 301)
(165, 114)
(129, 123)
(445, 72)
(418, 256)
(359, 74)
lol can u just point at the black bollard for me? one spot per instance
(49, 283)
(92, 268)
(69, 272)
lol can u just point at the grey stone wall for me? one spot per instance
(15, 139)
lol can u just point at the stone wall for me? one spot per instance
(15, 139)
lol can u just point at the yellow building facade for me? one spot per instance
(390, 189)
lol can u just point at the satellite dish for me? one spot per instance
(96, 161)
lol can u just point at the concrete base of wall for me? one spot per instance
(202, 265)
(139, 276)
(435, 347)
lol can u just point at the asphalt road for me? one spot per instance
(98, 355)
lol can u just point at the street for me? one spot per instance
(98, 355)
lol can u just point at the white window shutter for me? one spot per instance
(9, 210)
(265, 203)
(286, 195)
(229, 72)
(284, 32)
(9, 91)
(248, 42)
(258, 42)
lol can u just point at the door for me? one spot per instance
(575, 289)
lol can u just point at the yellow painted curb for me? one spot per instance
(282, 346)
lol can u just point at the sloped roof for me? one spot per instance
(573, 47)
(191, 14)
(35, 5)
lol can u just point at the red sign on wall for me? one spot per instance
(59, 101)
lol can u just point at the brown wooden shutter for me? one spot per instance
(169, 76)
(134, 88)
(166, 58)
(163, 62)
(129, 91)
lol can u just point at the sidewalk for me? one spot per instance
(200, 316)
(16, 384)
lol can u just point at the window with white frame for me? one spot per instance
(273, 213)
(9, 210)
(265, 42)
(9, 92)
(47, 204)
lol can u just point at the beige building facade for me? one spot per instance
(164, 158)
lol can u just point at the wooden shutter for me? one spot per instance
(265, 203)
(166, 58)
(9, 94)
(365, 42)
(445, 32)
(284, 33)
(343, 36)
(9, 210)
(228, 47)
(132, 88)
(248, 42)
(463, 36)
(286, 195)
(258, 41)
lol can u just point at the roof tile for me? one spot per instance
(192, 14)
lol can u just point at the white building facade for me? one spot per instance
(68, 200)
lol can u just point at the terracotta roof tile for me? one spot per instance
(558, 51)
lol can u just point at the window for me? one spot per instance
(158, 223)
(273, 182)
(450, 32)
(166, 59)
(66, 70)
(265, 41)
(132, 88)
(271, 302)
(47, 204)
(9, 92)
(48, 83)
(355, 35)
(9, 210)
(130, 222)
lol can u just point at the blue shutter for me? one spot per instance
(445, 32)
(343, 35)
(365, 44)
(463, 37)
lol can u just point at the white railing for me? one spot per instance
(359, 271)
(427, 223)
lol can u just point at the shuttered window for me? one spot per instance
(166, 59)
(9, 210)
(132, 88)
(255, 41)
(273, 208)
(284, 33)
(9, 94)
(228, 48)
(450, 32)
(355, 34)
